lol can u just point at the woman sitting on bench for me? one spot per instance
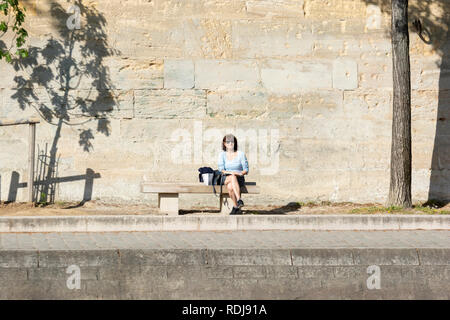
(234, 164)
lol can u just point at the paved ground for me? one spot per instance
(225, 240)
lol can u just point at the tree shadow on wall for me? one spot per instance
(67, 82)
(431, 21)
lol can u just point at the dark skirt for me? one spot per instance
(240, 179)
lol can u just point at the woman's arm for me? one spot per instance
(221, 162)
(244, 163)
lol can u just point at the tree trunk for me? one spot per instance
(400, 184)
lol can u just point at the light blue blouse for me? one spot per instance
(238, 164)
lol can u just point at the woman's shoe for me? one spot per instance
(240, 203)
(234, 211)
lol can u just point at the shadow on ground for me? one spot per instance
(290, 207)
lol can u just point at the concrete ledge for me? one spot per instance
(327, 273)
(223, 223)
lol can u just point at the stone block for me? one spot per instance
(237, 103)
(431, 272)
(425, 129)
(12, 274)
(429, 74)
(249, 272)
(169, 104)
(127, 74)
(327, 48)
(375, 81)
(350, 272)
(175, 273)
(82, 258)
(285, 289)
(323, 154)
(207, 38)
(391, 256)
(345, 74)
(178, 74)
(201, 8)
(102, 104)
(9, 75)
(218, 272)
(141, 38)
(281, 272)
(197, 37)
(431, 256)
(262, 39)
(18, 259)
(315, 272)
(39, 289)
(368, 104)
(322, 104)
(18, 163)
(322, 257)
(278, 9)
(23, 102)
(86, 273)
(430, 105)
(369, 65)
(159, 272)
(291, 76)
(168, 203)
(237, 257)
(321, 9)
(224, 74)
(370, 154)
(369, 49)
(163, 257)
(342, 29)
(105, 289)
(345, 129)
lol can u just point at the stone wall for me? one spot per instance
(147, 89)
(338, 273)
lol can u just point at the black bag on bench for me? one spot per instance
(203, 170)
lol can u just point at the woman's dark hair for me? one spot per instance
(225, 138)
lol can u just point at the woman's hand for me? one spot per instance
(235, 173)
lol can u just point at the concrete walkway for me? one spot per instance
(224, 240)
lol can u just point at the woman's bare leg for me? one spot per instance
(236, 188)
(229, 184)
(232, 195)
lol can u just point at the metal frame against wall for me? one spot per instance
(31, 147)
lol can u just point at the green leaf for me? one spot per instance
(15, 13)
(3, 26)
(22, 53)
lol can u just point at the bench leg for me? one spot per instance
(225, 204)
(168, 203)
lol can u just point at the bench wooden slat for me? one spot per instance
(175, 187)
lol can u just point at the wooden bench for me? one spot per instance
(168, 194)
